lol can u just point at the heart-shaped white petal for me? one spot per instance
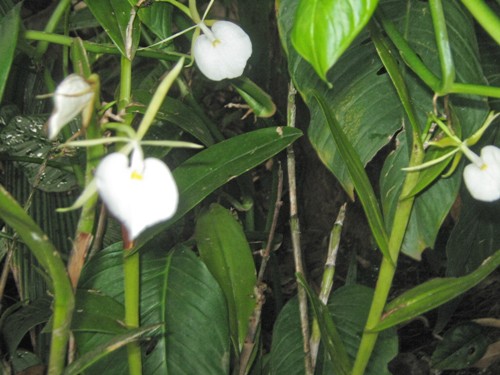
(137, 198)
(483, 182)
(72, 95)
(224, 53)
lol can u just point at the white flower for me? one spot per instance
(223, 51)
(72, 96)
(482, 177)
(139, 194)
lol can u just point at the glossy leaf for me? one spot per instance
(330, 337)
(178, 291)
(225, 250)
(157, 17)
(25, 140)
(114, 16)
(432, 294)
(9, 30)
(359, 178)
(323, 29)
(461, 347)
(258, 100)
(209, 169)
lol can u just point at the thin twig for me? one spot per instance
(254, 321)
(328, 274)
(295, 233)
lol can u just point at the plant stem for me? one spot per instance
(96, 47)
(56, 16)
(131, 269)
(48, 256)
(443, 44)
(295, 233)
(485, 16)
(327, 280)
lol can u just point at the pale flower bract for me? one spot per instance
(72, 96)
(222, 51)
(138, 194)
(483, 181)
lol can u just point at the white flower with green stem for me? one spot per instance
(482, 176)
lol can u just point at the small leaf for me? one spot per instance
(461, 347)
(432, 294)
(225, 250)
(9, 29)
(259, 101)
(323, 29)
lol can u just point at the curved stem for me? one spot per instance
(443, 44)
(48, 256)
(56, 16)
(485, 16)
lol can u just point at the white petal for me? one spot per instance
(484, 183)
(228, 56)
(72, 95)
(137, 203)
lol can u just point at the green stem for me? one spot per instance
(48, 256)
(131, 269)
(401, 216)
(466, 88)
(387, 269)
(56, 16)
(485, 16)
(179, 6)
(96, 47)
(443, 44)
(195, 16)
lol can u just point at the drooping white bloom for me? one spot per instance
(482, 177)
(139, 194)
(223, 51)
(72, 96)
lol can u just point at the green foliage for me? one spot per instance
(197, 293)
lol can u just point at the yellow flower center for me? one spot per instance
(136, 175)
(215, 42)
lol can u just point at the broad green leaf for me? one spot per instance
(16, 324)
(367, 118)
(23, 360)
(258, 100)
(348, 306)
(178, 291)
(114, 16)
(323, 29)
(9, 29)
(225, 250)
(103, 350)
(209, 169)
(96, 312)
(461, 347)
(330, 337)
(432, 294)
(359, 179)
